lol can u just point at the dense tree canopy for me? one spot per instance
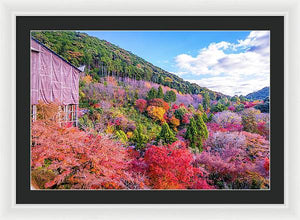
(110, 60)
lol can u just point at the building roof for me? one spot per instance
(43, 45)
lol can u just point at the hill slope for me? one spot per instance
(102, 58)
(260, 94)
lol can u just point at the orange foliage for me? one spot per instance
(111, 80)
(80, 160)
(75, 54)
(87, 79)
(148, 85)
(174, 122)
(159, 103)
(51, 111)
(156, 113)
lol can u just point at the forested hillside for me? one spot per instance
(140, 127)
(260, 94)
(102, 58)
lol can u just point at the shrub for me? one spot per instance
(141, 105)
(226, 117)
(218, 108)
(214, 127)
(49, 111)
(80, 160)
(156, 113)
(220, 140)
(122, 136)
(239, 107)
(249, 120)
(180, 112)
(174, 122)
(236, 160)
(159, 103)
(170, 167)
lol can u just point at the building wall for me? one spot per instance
(52, 79)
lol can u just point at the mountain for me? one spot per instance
(260, 94)
(103, 58)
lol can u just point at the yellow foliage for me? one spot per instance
(129, 134)
(110, 129)
(156, 113)
(168, 79)
(175, 122)
(87, 79)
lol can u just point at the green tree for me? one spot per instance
(170, 96)
(210, 117)
(243, 98)
(152, 94)
(239, 107)
(180, 112)
(160, 93)
(206, 101)
(201, 126)
(200, 108)
(166, 136)
(235, 99)
(196, 132)
(191, 133)
(218, 108)
(204, 117)
(139, 138)
(122, 136)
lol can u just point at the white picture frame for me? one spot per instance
(9, 9)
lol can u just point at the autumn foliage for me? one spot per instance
(130, 138)
(170, 167)
(141, 105)
(80, 160)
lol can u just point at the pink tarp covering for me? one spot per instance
(52, 78)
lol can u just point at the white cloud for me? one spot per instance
(230, 68)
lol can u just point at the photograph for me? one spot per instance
(150, 110)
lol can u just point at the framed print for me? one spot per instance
(22, 20)
(150, 110)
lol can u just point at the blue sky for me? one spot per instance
(232, 62)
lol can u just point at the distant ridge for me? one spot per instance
(260, 94)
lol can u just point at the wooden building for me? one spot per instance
(53, 79)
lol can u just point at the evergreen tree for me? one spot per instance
(200, 108)
(152, 94)
(206, 101)
(139, 138)
(170, 96)
(196, 132)
(122, 136)
(218, 108)
(201, 128)
(204, 117)
(210, 117)
(166, 135)
(191, 133)
(160, 93)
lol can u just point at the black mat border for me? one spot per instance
(24, 24)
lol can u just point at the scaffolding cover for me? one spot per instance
(52, 78)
